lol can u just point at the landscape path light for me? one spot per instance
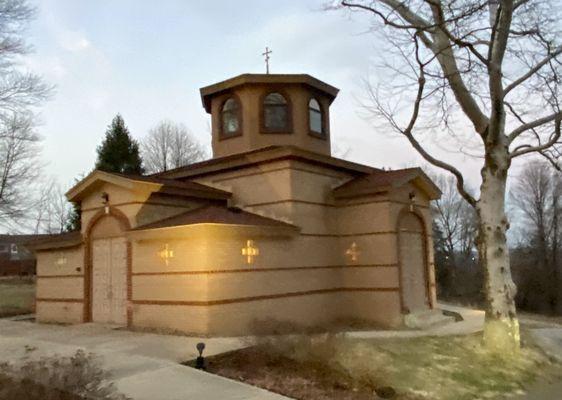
(200, 361)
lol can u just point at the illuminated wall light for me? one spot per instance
(353, 252)
(61, 260)
(166, 254)
(250, 251)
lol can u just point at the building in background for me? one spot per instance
(15, 258)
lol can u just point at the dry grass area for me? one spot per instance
(78, 377)
(17, 296)
(11, 389)
(335, 367)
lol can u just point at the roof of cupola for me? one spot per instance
(208, 92)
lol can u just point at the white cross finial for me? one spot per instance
(266, 54)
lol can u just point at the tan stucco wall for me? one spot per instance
(47, 262)
(252, 138)
(58, 282)
(187, 319)
(62, 288)
(59, 312)
(301, 278)
(210, 273)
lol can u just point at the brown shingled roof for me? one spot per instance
(55, 241)
(216, 215)
(167, 186)
(190, 186)
(381, 181)
(208, 92)
(20, 239)
(260, 156)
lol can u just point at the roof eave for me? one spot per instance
(210, 91)
(76, 193)
(201, 228)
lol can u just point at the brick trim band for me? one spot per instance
(55, 300)
(342, 235)
(264, 297)
(246, 270)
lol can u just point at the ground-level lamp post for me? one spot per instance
(200, 360)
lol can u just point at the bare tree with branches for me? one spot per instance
(170, 145)
(455, 229)
(52, 210)
(20, 93)
(454, 216)
(19, 90)
(19, 166)
(488, 73)
(537, 196)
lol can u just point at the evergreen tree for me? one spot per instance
(75, 221)
(119, 152)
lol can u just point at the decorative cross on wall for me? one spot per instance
(250, 251)
(353, 252)
(266, 54)
(166, 254)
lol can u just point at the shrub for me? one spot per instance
(57, 378)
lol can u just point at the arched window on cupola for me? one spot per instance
(315, 118)
(276, 114)
(231, 121)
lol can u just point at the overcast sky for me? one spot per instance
(147, 61)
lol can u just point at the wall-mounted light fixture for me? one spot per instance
(250, 251)
(61, 260)
(105, 201)
(412, 201)
(166, 254)
(353, 252)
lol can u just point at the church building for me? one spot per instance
(271, 230)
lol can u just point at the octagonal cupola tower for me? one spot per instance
(254, 111)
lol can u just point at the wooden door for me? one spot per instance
(413, 263)
(109, 280)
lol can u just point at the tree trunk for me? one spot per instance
(501, 328)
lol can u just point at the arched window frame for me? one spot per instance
(238, 113)
(289, 104)
(323, 118)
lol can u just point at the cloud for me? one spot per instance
(50, 67)
(72, 41)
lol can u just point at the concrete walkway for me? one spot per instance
(473, 322)
(550, 340)
(143, 366)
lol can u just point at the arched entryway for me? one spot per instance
(108, 269)
(412, 255)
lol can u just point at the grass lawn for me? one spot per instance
(17, 296)
(335, 367)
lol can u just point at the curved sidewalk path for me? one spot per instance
(143, 366)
